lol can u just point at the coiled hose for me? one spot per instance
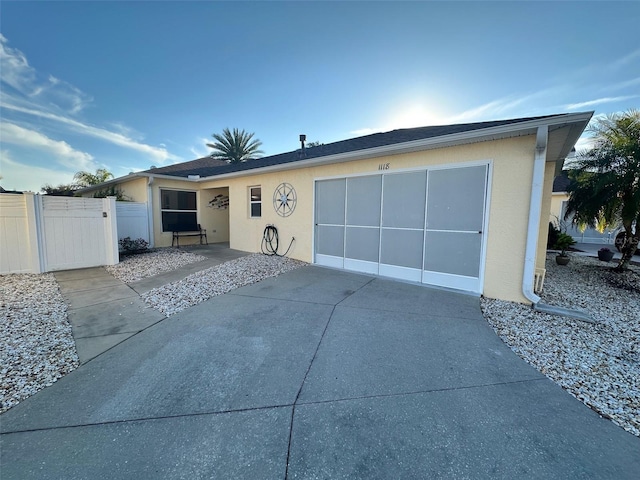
(271, 241)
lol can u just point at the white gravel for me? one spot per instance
(200, 286)
(136, 267)
(36, 344)
(599, 363)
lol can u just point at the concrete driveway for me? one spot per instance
(313, 374)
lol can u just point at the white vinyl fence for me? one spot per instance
(45, 233)
(133, 220)
(18, 235)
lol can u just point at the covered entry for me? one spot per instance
(425, 225)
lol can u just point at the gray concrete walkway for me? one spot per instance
(591, 250)
(313, 374)
(104, 311)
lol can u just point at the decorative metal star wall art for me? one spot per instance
(284, 199)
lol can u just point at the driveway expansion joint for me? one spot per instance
(148, 419)
(420, 392)
(235, 294)
(295, 402)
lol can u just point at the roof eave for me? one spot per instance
(133, 176)
(578, 121)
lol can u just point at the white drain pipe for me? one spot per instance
(535, 211)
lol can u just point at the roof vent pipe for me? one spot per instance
(303, 139)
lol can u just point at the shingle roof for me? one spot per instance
(204, 169)
(561, 182)
(184, 169)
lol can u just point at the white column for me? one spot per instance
(110, 230)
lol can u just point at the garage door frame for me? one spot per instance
(456, 282)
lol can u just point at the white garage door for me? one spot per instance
(424, 226)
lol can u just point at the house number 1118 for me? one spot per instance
(383, 166)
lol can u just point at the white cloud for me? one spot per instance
(18, 176)
(68, 156)
(508, 106)
(160, 154)
(599, 101)
(626, 59)
(16, 71)
(200, 150)
(21, 77)
(49, 98)
(361, 132)
(627, 83)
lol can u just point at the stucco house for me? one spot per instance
(559, 199)
(458, 206)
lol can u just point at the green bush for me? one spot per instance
(563, 242)
(129, 246)
(552, 236)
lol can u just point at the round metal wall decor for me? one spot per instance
(284, 199)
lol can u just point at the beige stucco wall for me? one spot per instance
(555, 208)
(511, 173)
(216, 221)
(134, 190)
(510, 190)
(541, 253)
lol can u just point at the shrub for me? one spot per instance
(552, 236)
(563, 242)
(127, 245)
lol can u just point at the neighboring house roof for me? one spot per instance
(561, 182)
(564, 130)
(179, 169)
(2, 190)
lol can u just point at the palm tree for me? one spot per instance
(86, 179)
(607, 187)
(235, 147)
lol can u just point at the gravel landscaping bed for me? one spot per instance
(36, 344)
(136, 267)
(200, 286)
(599, 363)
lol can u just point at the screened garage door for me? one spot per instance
(424, 226)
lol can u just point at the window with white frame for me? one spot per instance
(178, 207)
(255, 202)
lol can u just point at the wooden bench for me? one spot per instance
(187, 230)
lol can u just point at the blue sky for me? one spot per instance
(127, 85)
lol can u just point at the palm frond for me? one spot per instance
(235, 146)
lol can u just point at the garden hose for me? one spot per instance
(271, 242)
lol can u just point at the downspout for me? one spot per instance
(150, 210)
(535, 210)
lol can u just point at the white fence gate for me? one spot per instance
(18, 235)
(77, 232)
(133, 220)
(43, 233)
